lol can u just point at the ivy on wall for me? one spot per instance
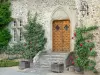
(5, 19)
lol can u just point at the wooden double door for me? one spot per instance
(61, 35)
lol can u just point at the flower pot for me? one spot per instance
(24, 64)
(57, 67)
(78, 70)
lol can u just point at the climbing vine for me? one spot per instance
(84, 48)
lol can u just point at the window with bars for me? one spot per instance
(17, 30)
(15, 34)
(21, 37)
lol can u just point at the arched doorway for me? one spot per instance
(61, 35)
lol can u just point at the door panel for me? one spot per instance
(61, 35)
(57, 38)
(66, 35)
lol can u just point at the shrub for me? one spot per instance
(5, 19)
(16, 49)
(4, 37)
(8, 63)
(5, 14)
(35, 38)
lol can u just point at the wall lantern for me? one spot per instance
(84, 8)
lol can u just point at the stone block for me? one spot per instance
(24, 64)
(57, 67)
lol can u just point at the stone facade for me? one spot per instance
(49, 10)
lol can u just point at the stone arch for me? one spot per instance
(57, 14)
(67, 14)
(60, 13)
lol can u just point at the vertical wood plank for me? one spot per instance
(61, 36)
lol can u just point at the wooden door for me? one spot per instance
(61, 35)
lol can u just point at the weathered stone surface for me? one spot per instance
(57, 67)
(49, 10)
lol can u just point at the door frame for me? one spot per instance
(52, 33)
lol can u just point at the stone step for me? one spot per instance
(49, 62)
(44, 66)
(55, 53)
(51, 59)
(54, 56)
(46, 60)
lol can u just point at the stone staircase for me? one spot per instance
(47, 59)
(42, 67)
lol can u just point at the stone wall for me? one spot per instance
(49, 10)
(19, 12)
(89, 20)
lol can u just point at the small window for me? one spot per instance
(17, 30)
(20, 22)
(66, 27)
(21, 37)
(57, 27)
(14, 23)
(15, 33)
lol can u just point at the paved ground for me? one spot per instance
(11, 71)
(16, 71)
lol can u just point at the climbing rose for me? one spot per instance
(75, 34)
(72, 37)
(81, 45)
(73, 63)
(90, 49)
(71, 57)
